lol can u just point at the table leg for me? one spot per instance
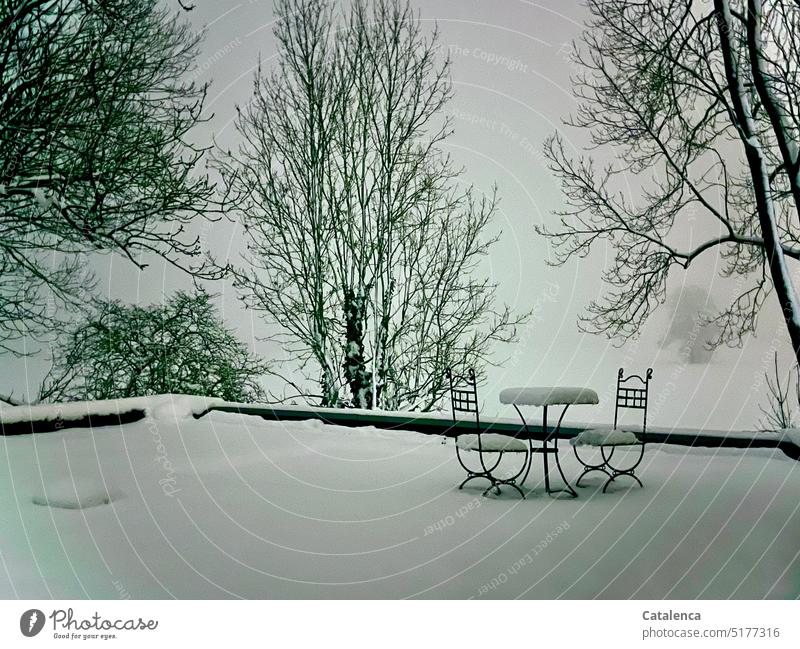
(556, 432)
(545, 454)
(530, 445)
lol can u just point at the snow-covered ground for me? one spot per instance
(234, 506)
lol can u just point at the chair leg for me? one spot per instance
(591, 469)
(474, 477)
(494, 486)
(619, 474)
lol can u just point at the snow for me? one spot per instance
(41, 198)
(176, 406)
(168, 406)
(604, 437)
(232, 506)
(491, 442)
(793, 434)
(550, 396)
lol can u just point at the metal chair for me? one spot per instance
(632, 393)
(464, 398)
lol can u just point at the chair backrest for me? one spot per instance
(633, 392)
(464, 394)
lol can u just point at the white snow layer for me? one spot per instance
(548, 396)
(491, 442)
(234, 506)
(166, 406)
(604, 437)
(793, 434)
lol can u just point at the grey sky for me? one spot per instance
(511, 81)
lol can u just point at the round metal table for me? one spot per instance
(544, 397)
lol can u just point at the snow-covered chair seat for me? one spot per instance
(491, 443)
(605, 437)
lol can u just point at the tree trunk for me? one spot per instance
(773, 251)
(330, 398)
(355, 371)
(772, 104)
(384, 364)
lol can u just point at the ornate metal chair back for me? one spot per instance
(633, 392)
(464, 394)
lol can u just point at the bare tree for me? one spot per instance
(781, 408)
(702, 106)
(95, 155)
(180, 347)
(362, 247)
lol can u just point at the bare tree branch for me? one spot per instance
(673, 86)
(96, 111)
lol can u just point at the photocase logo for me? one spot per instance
(31, 622)
(67, 626)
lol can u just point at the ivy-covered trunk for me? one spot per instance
(330, 395)
(358, 377)
(384, 384)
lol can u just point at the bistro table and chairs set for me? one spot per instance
(506, 460)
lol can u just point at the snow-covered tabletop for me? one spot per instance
(548, 396)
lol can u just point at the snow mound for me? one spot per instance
(164, 406)
(491, 442)
(76, 494)
(604, 437)
(177, 406)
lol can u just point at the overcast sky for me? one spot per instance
(512, 89)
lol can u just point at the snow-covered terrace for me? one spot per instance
(233, 505)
